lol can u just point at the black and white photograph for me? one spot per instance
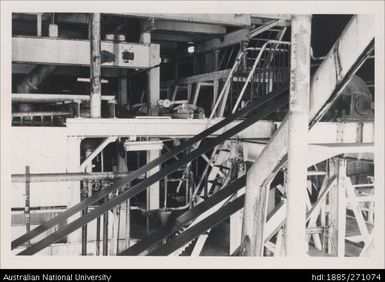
(211, 130)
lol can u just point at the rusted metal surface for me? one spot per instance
(95, 67)
(294, 231)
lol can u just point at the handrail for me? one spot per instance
(251, 73)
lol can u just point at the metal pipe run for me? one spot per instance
(298, 118)
(63, 177)
(27, 207)
(95, 66)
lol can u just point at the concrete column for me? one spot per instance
(95, 67)
(298, 118)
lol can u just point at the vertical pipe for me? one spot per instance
(216, 60)
(95, 66)
(341, 226)
(244, 57)
(84, 235)
(88, 184)
(165, 192)
(295, 240)
(105, 232)
(128, 232)
(98, 236)
(27, 203)
(39, 18)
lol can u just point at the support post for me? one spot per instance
(73, 165)
(295, 241)
(153, 75)
(341, 227)
(123, 88)
(39, 18)
(95, 67)
(27, 213)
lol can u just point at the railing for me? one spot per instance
(268, 69)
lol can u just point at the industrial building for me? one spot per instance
(193, 135)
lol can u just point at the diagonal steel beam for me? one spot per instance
(69, 228)
(97, 150)
(142, 170)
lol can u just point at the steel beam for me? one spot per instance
(343, 60)
(227, 40)
(175, 26)
(219, 19)
(77, 52)
(263, 28)
(96, 152)
(223, 74)
(155, 36)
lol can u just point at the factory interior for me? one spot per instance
(193, 135)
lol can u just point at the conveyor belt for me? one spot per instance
(199, 228)
(185, 218)
(264, 107)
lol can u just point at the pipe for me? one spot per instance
(63, 177)
(88, 186)
(39, 18)
(27, 204)
(35, 78)
(97, 252)
(105, 232)
(298, 117)
(95, 67)
(355, 45)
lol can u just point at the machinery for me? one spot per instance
(110, 159)
(180, 109)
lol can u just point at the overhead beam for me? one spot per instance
(189, 27)
(64, 70)
(263, 28)
(199, 78)
(171, 37)
(78, 18)
(218, 19)
(345, 57)
(260, 19)
(225, 41)
(77, 52)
